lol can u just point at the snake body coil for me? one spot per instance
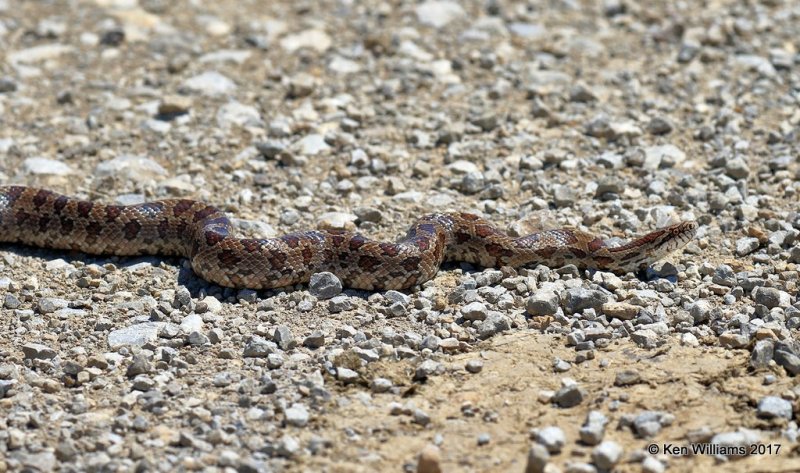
(202, 233)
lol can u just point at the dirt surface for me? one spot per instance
(702, 387)
(615, 117)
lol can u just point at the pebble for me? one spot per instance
(762, 354)
(552, 438)
(770, 407)
(652, 465)
(381, 385)
(474, 366)
(659, 126)
(733, 441)
(297, 415)
(620, 310)
(37, 351)
(538, 457)
(662, 156)
(139, 365)
(438, 13)
(474, 311)
(542, 302)
(593, 428)
(569, 396)
(771, 297)
(745, 246)
(314, 39)
(210, 83)
(311, 145)
(45, 167)
(606, 455)
(133, 167)
(257, 347)
(284, 338)
(237, 114)
(135, 335)
(427, 369)
(579, 299)
(324, 285)
(429, 460)
(315, 340)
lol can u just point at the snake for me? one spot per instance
(204, 234)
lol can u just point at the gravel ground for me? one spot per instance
(610, 116)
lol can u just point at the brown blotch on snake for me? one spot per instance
(202, 234)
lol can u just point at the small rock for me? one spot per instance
(474, 311)
(324, 285)
(620, 310)
(538, 456)
(37, 351)
(591, 433)
(579, 298)
(210, 83)
(736, 441)
(542, 302)
(297, 415)
(659, 126)
(745, 246)
(381, 385)
(474, 366)
(284, 338)
(762, 354)
(438, 13)
(45, 167)
(627, 378)
(427, 369)
(135, 335)
(552, 438)
(771, 297)
(315, 340)
(314, 39)
(139, 365)
(770, 407)
(606, 455)
(652, 465)
(569, 396)
(429, 460)
(561, 366)
(257, 347)
(645, 338)
(236, 114)
(346, 375)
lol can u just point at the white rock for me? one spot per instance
(192, 323)
(342, 65)
(210, 83)
(133, 167)
(45, 167)
(236, 56)
(653, 155)
(313, 39)
(438, 13)
(237, 114)
(297, 415)
(138, 334)
(311, 144)
(38, 53)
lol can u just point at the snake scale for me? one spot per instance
(202, 233)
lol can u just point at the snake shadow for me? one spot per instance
(197, 286)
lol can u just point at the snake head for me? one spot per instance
(645, 250)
